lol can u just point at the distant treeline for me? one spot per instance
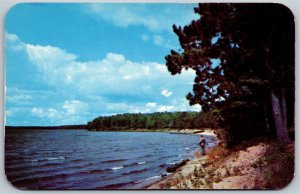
(48, 127)
(171, 120)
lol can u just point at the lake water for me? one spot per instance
(80, 159)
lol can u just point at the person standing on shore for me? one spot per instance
(202, 144)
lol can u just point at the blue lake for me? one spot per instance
(80, 159)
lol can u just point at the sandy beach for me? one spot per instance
(189, 166)
(249, 167)
(205, 131)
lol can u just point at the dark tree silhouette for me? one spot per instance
(255, 46)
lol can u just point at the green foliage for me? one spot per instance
(166, 120)
(255, 46)
(196, 173)
(168, 185)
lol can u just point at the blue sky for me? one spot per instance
(69, 63)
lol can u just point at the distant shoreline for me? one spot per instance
(204, 131)
(46, 127)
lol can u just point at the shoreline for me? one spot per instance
(197, 161)
(182, 171)
(204, 131)
(251, 165)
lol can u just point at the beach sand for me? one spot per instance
(189, 167)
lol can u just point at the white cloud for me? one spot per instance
(74, 107)
(66, 113)
(166, 93)
(60, 68)
(155, 17)
(14, 42)
(50, 113)
(123, 15)
(39, 112)
(11, 37)
(165, 109)
(19, 98)
(114, 84)
(151, 104)
(49, 55)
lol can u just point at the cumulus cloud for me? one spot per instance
(151, 104)
(14, 42)
(21, 97)
(166, 93)
(112, 74)
(114, 84)
(74, 107)
(156, 18)
(165, 108)
(65, 113)
(39, 112)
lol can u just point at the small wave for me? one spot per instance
(117, 167)
(148, 179)
(136, 171)
(146, 156)
(171, 163)
(78, 160)
(49, 159)
(187, 148)
(134, 164)
(50, 165)
(112, 161)
(97, 171)
(56, 158)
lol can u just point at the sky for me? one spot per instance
(70, 63)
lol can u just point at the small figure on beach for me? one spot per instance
(202, 144)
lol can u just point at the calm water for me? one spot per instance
(79, 159)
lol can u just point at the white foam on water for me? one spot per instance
(56, 158)
(150, 178)
(117, 167)
(49, 159)
(141, 163)
(171, 163)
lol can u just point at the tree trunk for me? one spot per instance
(280, 117)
